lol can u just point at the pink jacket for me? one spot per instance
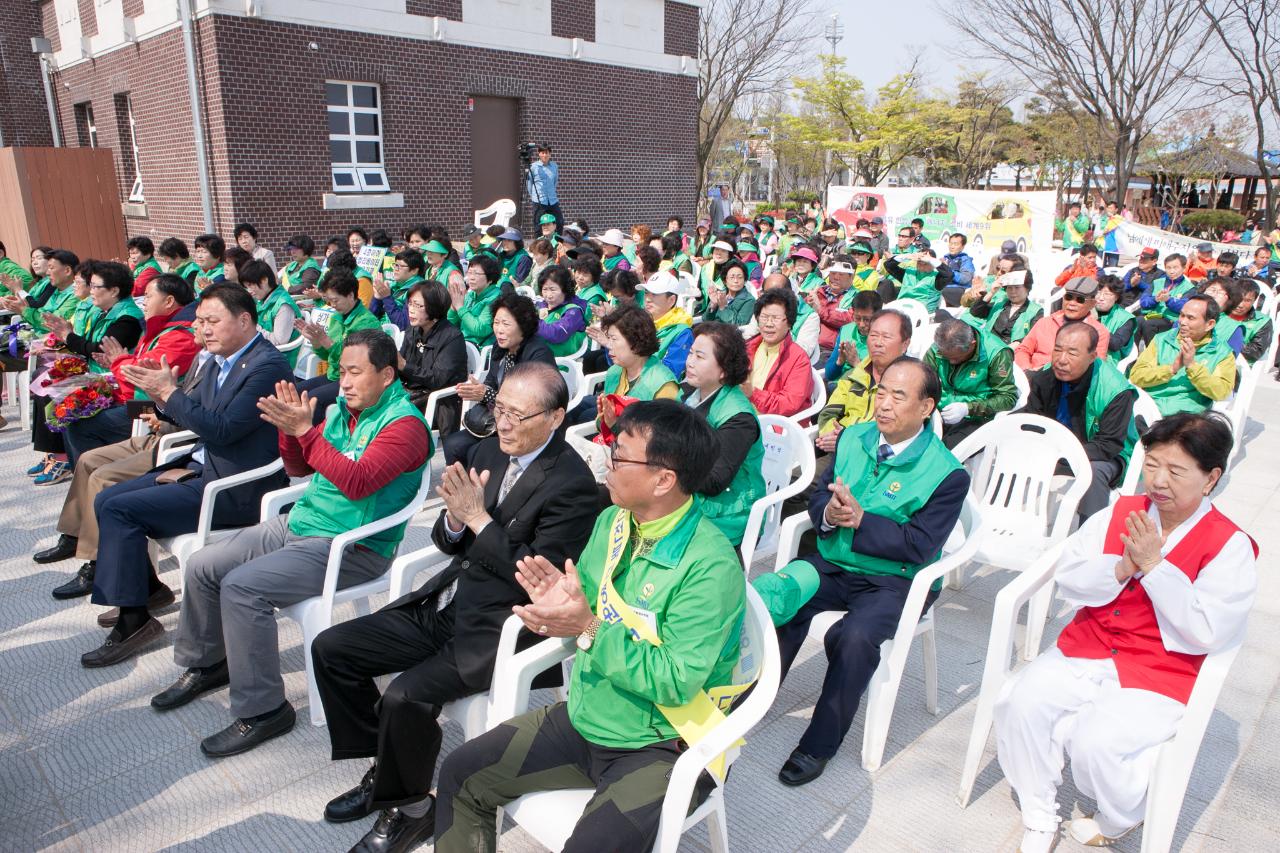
(1034, 351)
(790, 381)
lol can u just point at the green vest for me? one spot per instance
(400, 289)
(1253, 325)
(84, 316)
(292, 275)
(1113, 320)
(593, 294)
(138, 393)
(509, 267)
(570, 345)
(919, 286)
(148, 264)
(803, 310)
(729, 509)
(339, 327)
(98, 325)
(441, 275)
(475, 318)
(1184, 288)
(652, 377)
(61, 302)
(896, 489)
(851, 332)
(8, 266)
(1021, 324)
(666, 335)
(812, 280)
(1178, 394)
(610, 263)
(1106, 384)
(323, 510)
(189, 270)
(267, 311)
(1224, 329)
(967, 381)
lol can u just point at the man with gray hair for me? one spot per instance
(976, 369)
(521, 491)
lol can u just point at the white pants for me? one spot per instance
(1112, 733)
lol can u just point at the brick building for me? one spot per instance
(318, 115)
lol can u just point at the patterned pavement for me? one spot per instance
(85, 764)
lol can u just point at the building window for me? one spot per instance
(86, 127)
(355, 137)
(130, 161)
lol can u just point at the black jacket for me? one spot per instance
(500, 362)
(736, 436)
(549, 511)
(433, 361)
(1113, 424)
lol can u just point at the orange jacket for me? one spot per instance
(1088, 269)
(1034, 351)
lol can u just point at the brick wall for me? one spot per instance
(574, 19)
(268, 140)
(451, 9)
(680, 29)
(24, 118)
(49, 24)
(88, 18)
(133, 8)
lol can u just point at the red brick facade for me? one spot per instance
(88, 18)
(680, 29)
(574, 19)
(24, 117)
(267, 135)
(133, 8)
(451, 9)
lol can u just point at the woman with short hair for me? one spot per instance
(433, 354)
(563, 322)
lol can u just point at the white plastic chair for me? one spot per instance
(817, 399)
(787, 450)
(1012, 482)
(550, 816)
(292, 345)
(571, 370)
(1125, 363)
(315, 614)
(501, 210)
(921, 339)
(473, 357)
(1175, 759)
(1236, 407)
(882, 692)
(395, 333)
(913, 308)
(308, 365)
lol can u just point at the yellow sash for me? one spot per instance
(695, 719)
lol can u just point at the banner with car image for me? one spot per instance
(986, 218)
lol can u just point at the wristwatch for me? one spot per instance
(587, 637)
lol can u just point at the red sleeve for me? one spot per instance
(832, 317)
(398, 447)
(793, 384)
(295, 463)
(144, 278)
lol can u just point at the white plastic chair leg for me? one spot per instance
(11, 386)
(1037, 615)
(24, 400)
(311, 628)
(718, 828)
(1165, 793)
(955, 580)
(930, 651)
(882, 695)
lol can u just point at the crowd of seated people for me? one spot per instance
(689, 340)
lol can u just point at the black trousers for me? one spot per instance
(399, 726)
(874, 606)
(42, 439)
(953, 434)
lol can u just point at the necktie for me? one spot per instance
(883, 452)
(509, 479)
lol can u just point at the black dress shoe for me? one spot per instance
(158, 600)
(801, 768)
(116, 650)
(243, 735)
(353, 804)
(192, 683)
(394, 831)
(64, 550)
(80, 585)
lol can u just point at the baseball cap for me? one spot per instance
(662, 282)
(1204, 247)
(614, 237)
(877, 220)
(723, 244)
(436, 247)
(841, 266)
(1149, 252)
(1009, 247)
(511, 234)
(546, 219)
(860, 249)
(1083, 285)
(472, 232)
(804, 252)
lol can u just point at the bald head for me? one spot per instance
(776, 279)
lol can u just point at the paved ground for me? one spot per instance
(85, 764)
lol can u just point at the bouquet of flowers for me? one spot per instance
(59, 375)
(16, 338)
(95, 393)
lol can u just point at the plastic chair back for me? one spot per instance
(788, 467)
(501, 210)
(817, 399)
(913, 308)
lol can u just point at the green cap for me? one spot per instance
(547, 218)
(861, 247)
(746, 247)
(767, 218)
(436, 247)
(785, 591)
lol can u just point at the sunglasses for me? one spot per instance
(1075, 297)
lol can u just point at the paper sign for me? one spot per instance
(370, 258)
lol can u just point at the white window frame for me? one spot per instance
(135, 191)
(364, 176)
(90, 123)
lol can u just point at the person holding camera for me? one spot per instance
(542, 177)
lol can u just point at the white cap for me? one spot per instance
(723, 244)
(614, 237)
(663, 282)
(841, 266)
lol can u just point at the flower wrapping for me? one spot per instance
(92, 394)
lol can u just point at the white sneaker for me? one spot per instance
(1037, 841)
(1091, 833)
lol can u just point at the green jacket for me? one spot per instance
(738, 311)
(984, 382)
(8, 266)
(693, 586)
(148, 264)
(895, 489)
(475, 317)
(1021, 325)
(400, 289)
(61, 302)
(98, 326)
(592, 295)
(84, 316)
(323, 510)
(1106, 385)
(267, 311)
(1073, 231)
(1179, 394)
(729, 509)
(652, 377)
(920, 287)
(1113, 320)
(357, 318)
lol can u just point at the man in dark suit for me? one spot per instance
(524, 491)
(222, 411)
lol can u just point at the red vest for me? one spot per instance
(1127, 630)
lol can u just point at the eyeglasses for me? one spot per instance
(771, 319)
(1075, 297)
(500, 412)
(615, 460)
(97, 287)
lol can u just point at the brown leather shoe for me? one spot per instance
(115, 650)
(159, 600)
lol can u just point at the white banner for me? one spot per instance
(1132, 238)
(987, 218)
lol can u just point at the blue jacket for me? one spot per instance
(1148, 299)
(233, 435)
(961, 267)
(542, 183)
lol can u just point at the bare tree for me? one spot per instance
(1248, 35)
(744, 49)
(1129, 64)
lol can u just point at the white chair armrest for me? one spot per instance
(592, 381)
(513, 671)
(273, 503)
(217, 487)
(433, 401)
(173, 445)
(789, 538)
(406, 568)
(755, 518)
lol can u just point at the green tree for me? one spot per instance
(975, 131)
